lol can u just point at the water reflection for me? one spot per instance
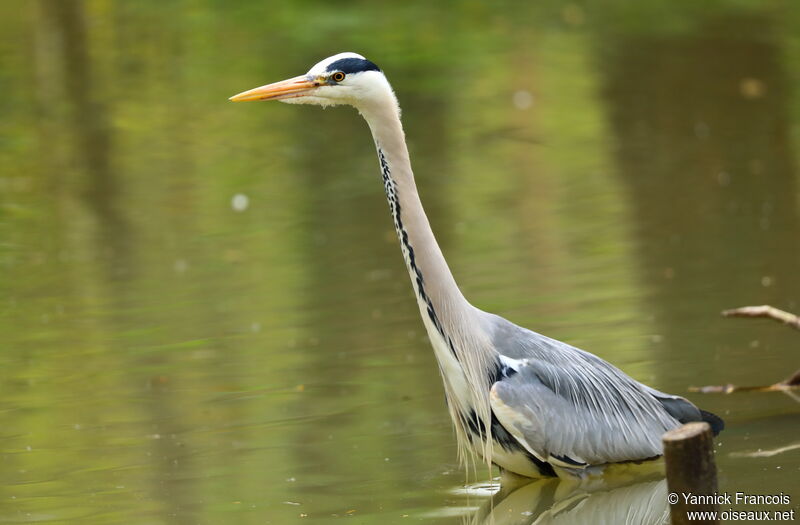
(642, 501)
(75, 134)
(702, 141)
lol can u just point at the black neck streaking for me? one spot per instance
(408, 251)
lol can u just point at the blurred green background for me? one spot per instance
(204, 314)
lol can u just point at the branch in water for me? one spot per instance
(790, 383)
(765, 453)
(765, 311)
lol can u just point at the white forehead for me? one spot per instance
(321, 66)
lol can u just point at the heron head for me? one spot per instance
(346, 78)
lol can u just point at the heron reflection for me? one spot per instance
(641, 501)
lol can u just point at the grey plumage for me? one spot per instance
(530, 404)
(572, 409)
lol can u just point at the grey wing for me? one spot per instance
(571, 408)
(577, 416)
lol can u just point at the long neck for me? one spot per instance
(438, 296)
(465, 356)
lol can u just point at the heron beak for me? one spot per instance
(291, 88)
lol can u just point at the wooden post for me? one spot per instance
(689, 456)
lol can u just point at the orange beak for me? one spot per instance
(291, 88)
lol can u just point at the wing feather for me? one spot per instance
(565, 405)
(577, 419)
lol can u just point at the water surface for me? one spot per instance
(204, 313)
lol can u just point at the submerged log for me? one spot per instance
(691, 472)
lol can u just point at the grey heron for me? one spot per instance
(530, 404)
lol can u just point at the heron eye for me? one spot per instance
(338, 76)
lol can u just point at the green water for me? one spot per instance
(204, 314)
